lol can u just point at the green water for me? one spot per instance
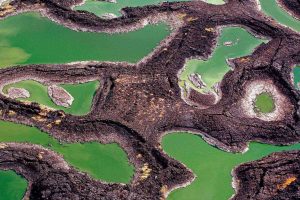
(212, 166)
(100, 7)
(12, 186)
(105, 162)
(271, 8)
(264, 103)
(297, 76)
(29, 38)
(83, 95)
(214, 69)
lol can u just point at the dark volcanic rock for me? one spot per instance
(50, 177)
(291, 6)
(274, 177)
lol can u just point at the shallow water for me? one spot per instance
(214, 69)
(12, 186)
(83, 95)
(31, 39)
(264, 103)
(272, 9)
(106, 162)
(212, 166)
(297, 77)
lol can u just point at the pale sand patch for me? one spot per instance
(257, 87)
(109, 16)
(3, 1)
(196, 79)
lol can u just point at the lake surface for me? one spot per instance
(31, 39)
(272, 9)
(104, 162)
(212, 166)
(12, 186)
(233, 42)
(264, 103)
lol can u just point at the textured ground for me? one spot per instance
(137, 104)
(292, 6)
(273, 177)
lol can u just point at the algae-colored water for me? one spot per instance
(272, 9)
(101, 7)
(106, 162)
(297, 77)
(83, 95)
(30, 38)
(264, 103)
(213, 70)
(212, 166)
(12, 186)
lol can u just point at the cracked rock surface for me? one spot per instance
(274, 177)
